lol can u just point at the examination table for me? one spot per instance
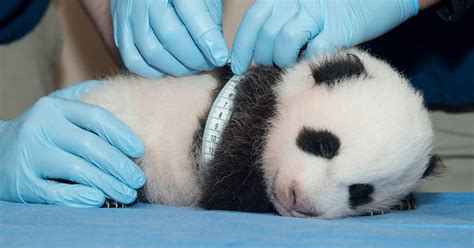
(441, 220)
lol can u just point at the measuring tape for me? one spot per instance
(217, 120)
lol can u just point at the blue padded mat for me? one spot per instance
(441, 220)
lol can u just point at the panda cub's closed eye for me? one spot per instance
(321, 143)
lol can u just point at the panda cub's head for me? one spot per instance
(350, 136)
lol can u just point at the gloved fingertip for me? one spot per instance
(284, 57)
(122, 137)
(220, 57)
(136, 148)
(145, 71)
(320, 47)
(308, 54)
(236, 69)
(217, 51)
(87, 196)
(76, 91)
(283, 62)
(94, 197)
(139, 179)
(237, 66)
(157, 75)
(131, 197)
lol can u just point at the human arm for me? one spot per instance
(60, 138)
(99, 13)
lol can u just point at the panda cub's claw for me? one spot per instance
(407, 203)
(114, 204)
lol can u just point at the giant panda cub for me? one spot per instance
(330, 137)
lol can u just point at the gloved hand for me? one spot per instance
(60, 138)
(273, 32)
(157, 37)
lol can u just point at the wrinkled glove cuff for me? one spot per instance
(412, 8)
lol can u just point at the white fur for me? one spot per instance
(384, 130)
(164, 113)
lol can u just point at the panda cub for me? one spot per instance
(330, 137)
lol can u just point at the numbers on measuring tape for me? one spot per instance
(211, 150)
(219, 115)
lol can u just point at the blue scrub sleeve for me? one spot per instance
(19, 17)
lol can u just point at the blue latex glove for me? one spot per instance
(61, 138)
(157, 37)
(273, 32)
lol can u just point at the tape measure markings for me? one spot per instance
(217, 120)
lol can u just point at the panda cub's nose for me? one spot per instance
(298, 204)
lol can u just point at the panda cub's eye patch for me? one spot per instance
(359, 194)
(321, 143)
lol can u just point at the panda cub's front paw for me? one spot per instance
(407, 203)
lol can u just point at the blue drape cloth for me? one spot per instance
(441, 220)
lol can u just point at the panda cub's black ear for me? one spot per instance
(333, 70)
(435, 167)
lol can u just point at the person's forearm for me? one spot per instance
(424, 4)
(99, 12)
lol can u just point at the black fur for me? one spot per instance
(342, 66)
(224, 74)
(235, 179)
(319, 143)
(359, 194)
(435, 167)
